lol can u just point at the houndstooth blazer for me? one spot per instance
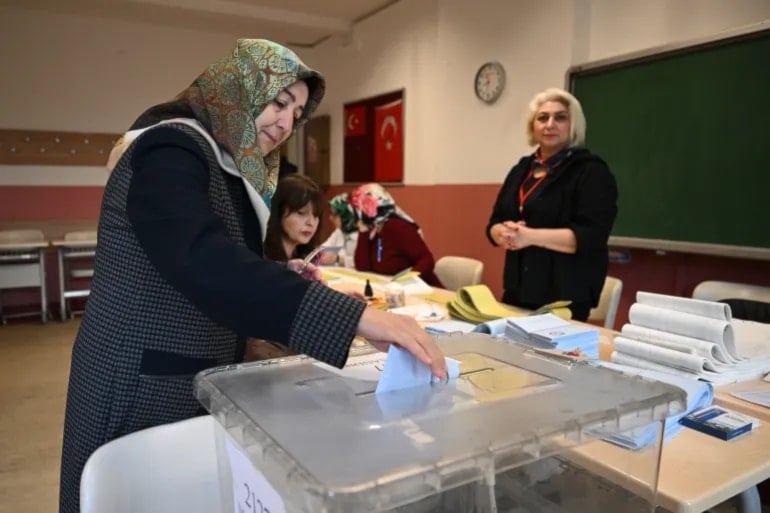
(141, 341)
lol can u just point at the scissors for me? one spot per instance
(309, 258)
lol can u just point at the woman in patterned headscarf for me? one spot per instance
(390, 240)
(179, 279)
(345, 234)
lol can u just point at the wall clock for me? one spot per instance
(490, 81)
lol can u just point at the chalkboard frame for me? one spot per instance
(758, 30)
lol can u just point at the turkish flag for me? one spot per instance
(389, 142)
(355, 121)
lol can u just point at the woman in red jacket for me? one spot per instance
(389, 240)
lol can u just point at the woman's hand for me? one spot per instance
(307, 270)
(382, 329)
(327, 258)
(504, 233)
(521, 237)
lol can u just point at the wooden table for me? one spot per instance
(67, 250)
(23, 265)
(697, 471)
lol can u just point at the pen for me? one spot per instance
(379, 250)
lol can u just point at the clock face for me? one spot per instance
(490, 81)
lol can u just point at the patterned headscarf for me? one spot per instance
(373, 204)
(231, 93)
(341, 206)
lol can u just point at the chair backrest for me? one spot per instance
(456, 271)
(713, 290)
(607, 309)
(21, 236)
(170, 468)
(80, 236)
(747, 301)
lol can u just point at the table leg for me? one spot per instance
(43, 295)
(748, 501)
(62, 301)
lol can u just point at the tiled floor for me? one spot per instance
(34, 367)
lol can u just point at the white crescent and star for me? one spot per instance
(352, 121)
(388, 121)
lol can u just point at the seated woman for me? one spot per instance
(389, 240)
(292, 230)
(345, 234)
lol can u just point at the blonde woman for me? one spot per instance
(555, 211)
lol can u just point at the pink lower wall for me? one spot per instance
(453, 218)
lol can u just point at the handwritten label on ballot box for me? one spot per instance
(251, 491)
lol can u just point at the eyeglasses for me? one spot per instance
(558, 117)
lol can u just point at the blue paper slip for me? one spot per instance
(548, 331)
(403, 370)
(699, 395)
(449, 326)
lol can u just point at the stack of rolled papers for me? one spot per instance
(688, 337)
(548, 331)
(699, 395)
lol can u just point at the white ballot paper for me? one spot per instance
(403, 370)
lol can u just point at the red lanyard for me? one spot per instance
(523, 195)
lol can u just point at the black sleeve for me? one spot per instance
(503, 209)
(596, 207)
(168, 207)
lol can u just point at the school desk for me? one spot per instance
(22, 264)
(68, 251)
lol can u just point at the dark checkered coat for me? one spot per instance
(142, 341)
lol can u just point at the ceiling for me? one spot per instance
(299, 23)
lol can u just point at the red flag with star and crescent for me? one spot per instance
(389, 142)
(355, 121)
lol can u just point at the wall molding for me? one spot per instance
(55, 148)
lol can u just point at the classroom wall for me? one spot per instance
(91, 74)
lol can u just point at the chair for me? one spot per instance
(76, 250)
(713, 290)
(22, 265)
(747, 301)
(607, 308)
(456, 271)
(170, 468)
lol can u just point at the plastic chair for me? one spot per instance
(713, 290)
(456, 271)
(170, 468)
(607, 309)
(747, 301)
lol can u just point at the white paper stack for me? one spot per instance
(689, 337)
(549, 331)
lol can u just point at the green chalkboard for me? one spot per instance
(687, 134)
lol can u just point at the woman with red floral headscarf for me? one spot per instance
(390, 240)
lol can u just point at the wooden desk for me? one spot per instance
(23, 265)
(697, 471)
(722, 397)
(67, 250)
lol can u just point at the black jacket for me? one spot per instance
(579, 194)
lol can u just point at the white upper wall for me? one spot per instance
(63, 72)
(619, 27)
(452, 137)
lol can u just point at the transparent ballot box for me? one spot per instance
(299, 436)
